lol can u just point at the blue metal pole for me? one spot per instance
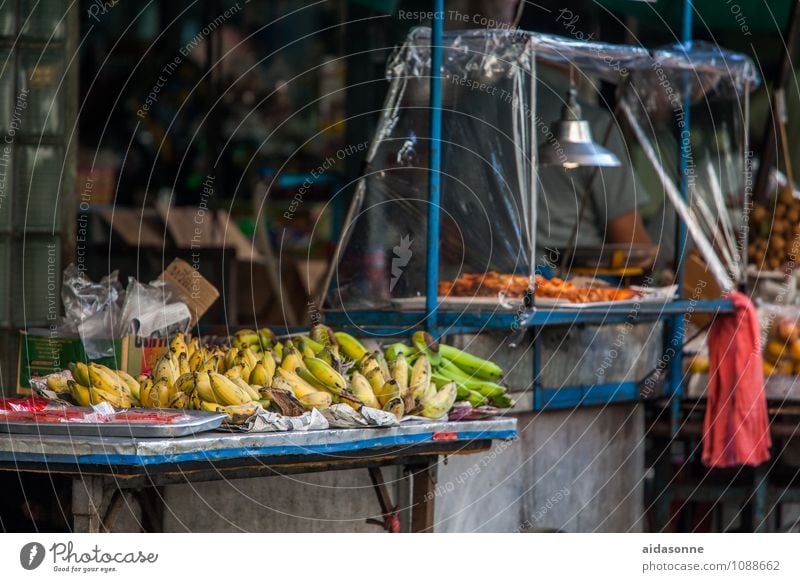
(677, 325)
(432, 281)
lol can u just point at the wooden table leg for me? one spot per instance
(151, 499)
(423, 494)
(87, 499)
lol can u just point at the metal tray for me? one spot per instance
(200, 421)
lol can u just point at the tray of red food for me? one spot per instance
(132, 422)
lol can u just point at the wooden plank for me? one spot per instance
(422, 497)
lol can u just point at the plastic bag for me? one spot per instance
(153, 309)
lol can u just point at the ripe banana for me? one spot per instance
(313, 381)
(387, 392)
(472, 365)
(260, 376)
(202, 387)
(226, 392)
(183, 364)
(291, 359)
(361, 389)
(420, 377)
(133, 385)
(325, 373)
(212, 364)
(350, 346)
(185, 383)
(80, 393)
(396, 407)
(164, 368)
(252, 392)
(57, 384)
(316, 400)
(296, 385)
(80, 372)
(441, 403)
(400, 374)
(197, 358)
(178, 344)
(180, 400)
(376, 379)
(105, 381)
(384, 366)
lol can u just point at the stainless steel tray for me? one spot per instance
(199, 421)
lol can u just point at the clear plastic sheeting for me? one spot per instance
(485, 174)
(490, 130)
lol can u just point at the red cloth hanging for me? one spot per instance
(736, 427)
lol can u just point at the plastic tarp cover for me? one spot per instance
(485, 174)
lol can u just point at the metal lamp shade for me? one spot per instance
(571, 144)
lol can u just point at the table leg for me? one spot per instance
(423, 495)
(87, 499)
(151, 499)
(759, 500)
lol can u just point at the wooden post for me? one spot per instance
(423, 496)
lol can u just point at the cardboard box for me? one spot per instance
(193, 288)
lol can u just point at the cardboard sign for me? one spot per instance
(193, 288)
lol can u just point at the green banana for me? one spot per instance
(472, 365)
(326, 374)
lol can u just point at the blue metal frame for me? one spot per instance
(389, 323)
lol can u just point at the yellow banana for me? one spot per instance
(57, 383)
(210, 365)
(230, 357)
(250, 357)
(400, 374)
(226, 392)
(178, 343)
(164, 368)
(389, 391)
(144, 392)
(441, 403)
(183, 364)
(396, 407)
(80, 393)
(185, 382)
(297, 385)
(260, 376)
(314, 381)
(253, 393)
(350, 346)
(202, 387)
(181, 401)
(420, 377)
(106, 382)
(133, 385)
(361, 389)
(291, 360)
(80, 372)
(193, 346)
(197, 358)
(114, 398)
(326, 374)
(316, 400)
(376, 379)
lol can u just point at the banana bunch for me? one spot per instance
(94, 383)
(318, 369)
